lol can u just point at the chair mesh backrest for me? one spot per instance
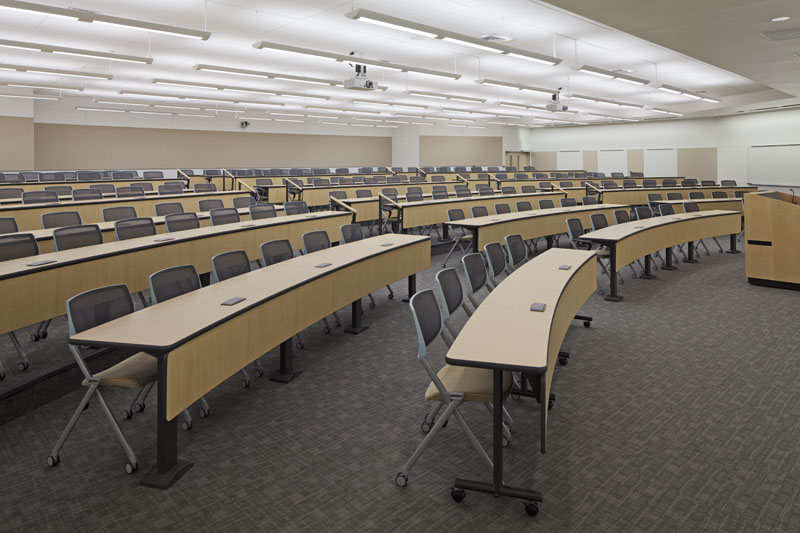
(437, 178)
(568, 202)
(566, 184)
(666, 209)
(673, 196)
(545, 186)
(124, 175)
(485, 191)
(8, 225)
(152, 174)
(132, 228)
(339, 195)
(501, 209)
(98, 306)
(617, 174)
(363, 193)
(647, 184)
(414, 197)
(728, 183)
(628, 184)
(599, 221)
(112, 214)
(76, 237)
(621, 216)
(60, 190)
(516, 249)
(295, 208)
(589, 200)
(164, 190)
(524, 206)
(574, 228)
(654, 197)
(181, 221)
(209, 204)
(479, 211)
(39, 197)
(475, 270)
(260, 182)
(440, 195)
(697, 195)
(273, 252)
(51, 176)
(59, 219)
(496, 258)
(86, 194)
(243, 201)
(719, 194)
(314, 241)
(427, 318)
(104, 188)
(351, 233)
(463, 193)
(642, 212)
(450, 290)
(508, 190)
(637, 174)
(129, 192)
(668, 183)
(168, 208)
(18, 245)
(610, 185)
(691, 207)
(229, 264)
(260, 211)
(546, 204)
(11, 192)
(225, 215)
(527, 189)
(203, 187)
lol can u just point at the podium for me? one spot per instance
(772, 228)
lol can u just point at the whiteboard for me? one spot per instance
(661, 162)
(609, 161)
(774, 165)
(569, 160)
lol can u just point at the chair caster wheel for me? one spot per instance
(186, 425)
(258, 372)
(53, 460)
(401, 480)
(327, 330)
(131, 467)
(2, 375)
(457, 494)
(532, 508)
(587, 324)
(138, 407)
(601, 292)
(126, 414)
(300, 345)
(34, 337)
(86, 407)
(43, 335)
(372, 305)
(550, 404)
(205, 413)
(515, 397)
(506, 442)
(562, 361)
(245, 383)
(22, 367)
(425, 427)
(391, 296)
(338, 324)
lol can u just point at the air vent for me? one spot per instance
(782, 35)
(496, 38)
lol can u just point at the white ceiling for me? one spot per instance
(235, 25)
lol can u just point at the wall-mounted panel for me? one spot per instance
(774, 165)
(545, 160)
(609, 161)
(590, 161)
(435, 150)
(635, 160)
(660, 162)
(570, 160)
(16, 143)
(698, 163)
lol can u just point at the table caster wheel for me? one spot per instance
(126, 414)
(186, 425)
(425, 427)
(587, 324)
(34, 337)
(205, 413)
(258, 372)
(562, 361)
(532, 508)
(327, 329)
(131, 467)
(457, 494)
(53, 460)
(401, 480)
(23, 366)
(138, 407)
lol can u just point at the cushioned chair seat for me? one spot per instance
(475, 383)
(136, 371)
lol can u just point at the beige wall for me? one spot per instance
(16, 143)
(699, 163)
(545, 160)
(440, 150)
(590, 160)
(635, 160)
(61, 146)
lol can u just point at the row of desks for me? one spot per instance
(41, 185)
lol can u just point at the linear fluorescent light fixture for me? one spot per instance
(466, 111)
(261, 45)
(88, 16)
(25, 85)
(265, 74)
(55, 71)
(389, 104)
(388, 21)
(511, 85)
(670, 89)
(596, 100)
(199, 98)
(514, 105)
(28, 96)
(687, 94)
(666, 112)
(81, 108)
(255, 118)
(443, 96)
(611, 75)
(62, 50)
(200, 85)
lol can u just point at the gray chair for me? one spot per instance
(485, 191)
(168, 208)
(463, 193)
(708, 183)
(79, 195)
(166, 189)
(528, 189)
(501, 209)
(130, 192)
(496, 260)
(589, 200)
(516, 250)
(228, 265)
(568, 202)
(46, 177)
(728, 183)
(70, 237)
(314, 241)
(224, 215)
(637, 174)
(181, 222)
(719, 194)
(13, 178)
(454, 215)
(39, 197)
(617, 175)
(673, 196)
(11, 192)
(479, 211)
(104, 188)
(30, 176)
(209, 204)
(475, 271)
(452, 294)
(123, 175)
(112, 214)
(88, 310)
(628, 184)
(243, 201)
(440, 195)
(133, 228)
(59, 219)
(697, 195)
(648, 184)
(524, 205)
(152, 174)
(610, 185)
(273, 252)
(575, 231)
(546, 203)
(8, 225)
(60, 190)
(669, 183)
(89, 176)
(508, 190)
(261, 211)
(295, 208)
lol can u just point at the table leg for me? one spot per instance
(668, 260)
(549, 240)
(733, 249)
(691, 258)
(286, 372)
(168, 468)
(612, 274)
(412, 287)
(648, 268)
(445, 233)
(355, 326)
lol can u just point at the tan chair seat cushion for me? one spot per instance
(136, 371)
(475, 383)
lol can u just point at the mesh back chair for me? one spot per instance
(689, 183)
(314, 241)
(39, 197)
(243, 201)
(475, 271)
(648, 184)
(276, 251)
(70, 237)
(132, 228)
(345, 181)
(152, 174)
(165, 190)
(59, 219)
(11, 192)
(516, 250)
(642, 212)
(485, 191)
(295, 208)
(8, 225)
(388, 210)
(14, 247)
(225, 215)
(168, 208)
(354, 232)
(739, 194)
(565, 184)
(708, 183)
(85, 311)
(479, 211)
(669, 183)
(124, 175)
(459, 234)
(524, 205)
(719, 194)
(204, 187)
(60, 190)
(51, 176)
(437, 178)
(129, 192)
(181, 222)
(104, 188)
(449, 387)
(728, 183)
(528, 189)
(86, 194)
(654, 198)
(413, 188)
(575, 231)
(414, 196)
(452, 295)
(637, 174)
(112, 214)
(628, 184)
(209, 204)
(610, 185)
(666, 209)
(568, 202)
(520, 176)
(508, 190)
(30, 176)
(546, 203)
(691, 207)
(501, 209)
(617, 175)
(440, 195)
(496, 260)
(463, 193)
(697, 195)
(589, 200)
(545, 186)
(261, 211)
(674, 196)
(363, 193)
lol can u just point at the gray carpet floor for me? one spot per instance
(679, 411)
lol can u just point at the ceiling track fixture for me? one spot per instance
(199, 85)
(29, 96)
(199, 98)
(511, 85)
(388, 21)
(63, 50)
(88, 16)
(666, 112)
(391, 104)
(47, 86)
(55, 71)
(688, 94)
(263, 74)
(605, 101)
(443, 96)
(262, 45)
(611, 75)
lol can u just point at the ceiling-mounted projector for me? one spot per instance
(359, 82)
(555, 103)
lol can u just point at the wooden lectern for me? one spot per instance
(772, 228)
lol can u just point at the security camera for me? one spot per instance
(244, 124)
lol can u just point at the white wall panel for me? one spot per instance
(660, 162)
(609, 161)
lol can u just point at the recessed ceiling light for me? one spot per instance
(779, 19)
